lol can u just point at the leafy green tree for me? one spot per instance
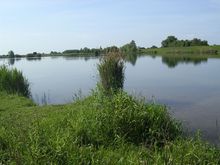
(198, 42)
(172, 41)
(195, 42)
(187, 43)
(133, 46)
(169, 42)
(11, 54)
(130, 47)
(153, 47)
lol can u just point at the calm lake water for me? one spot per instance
(190, 88)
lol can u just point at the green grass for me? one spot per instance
(208, 51)
(95, 130)
(12, 81)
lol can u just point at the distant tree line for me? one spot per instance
(128, 48)
(95, 51)
(34, 54)
(172, 41)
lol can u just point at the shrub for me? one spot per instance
(124, 118)
(111, 71)
(11, 54)
(12, 81)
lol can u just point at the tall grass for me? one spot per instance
(111, 71)
(96, 130)
(12, 81)
(125, 118)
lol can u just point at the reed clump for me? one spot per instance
(12, 81)
(111, 71)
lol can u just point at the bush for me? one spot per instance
(124, 118)
(12, 81)
(111, 71)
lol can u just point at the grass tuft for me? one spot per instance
(12, 81)
(111, 71)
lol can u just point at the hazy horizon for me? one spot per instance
(58, 25)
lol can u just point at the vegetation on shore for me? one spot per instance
(103, 128)
(206, 51)
(170, 46)
(172, 41)
(96, 130)
(12, 81)
(111, 71)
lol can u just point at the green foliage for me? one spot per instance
(122, 117)
(129, 48)
(204, 51)
(84, 51)
(111, 49)
(13, 81)
(154, 47)
(130, 51)
(34, 54)
(169, 42)
(172, 41)
(11, 54)
(95, 130)
(186, 151)
(111, 71)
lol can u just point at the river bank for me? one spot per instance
(205, 51)
(96, 130)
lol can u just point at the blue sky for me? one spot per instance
(45, 25)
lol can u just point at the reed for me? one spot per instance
(12, 81)
(111, 71)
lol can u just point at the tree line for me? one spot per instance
(127, 48)
(172, 41)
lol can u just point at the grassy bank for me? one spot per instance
(210, 51)
(95, 130)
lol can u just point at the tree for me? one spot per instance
(195, 42)
(133, 46)
(11, 54)
(172, 41)
(130, 47)
(169, 42)
(153, 47)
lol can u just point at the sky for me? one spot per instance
(57, 25)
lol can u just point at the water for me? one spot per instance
(189, 87)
